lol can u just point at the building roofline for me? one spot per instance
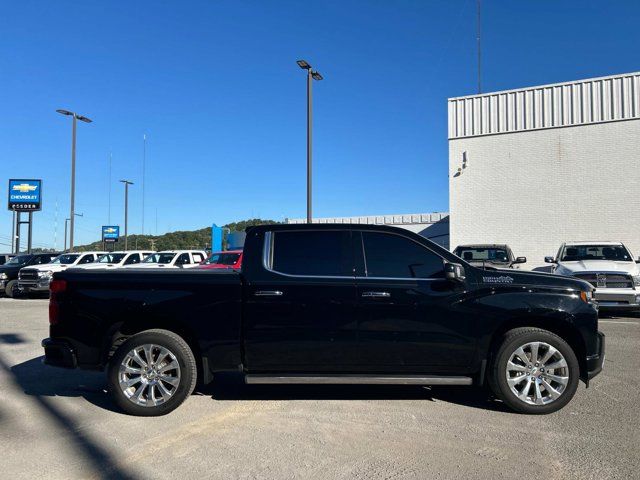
(547, 85)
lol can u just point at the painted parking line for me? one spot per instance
(616, 321)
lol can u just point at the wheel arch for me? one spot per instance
(561, 327)
(118, 332)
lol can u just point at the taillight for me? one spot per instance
(56, 287)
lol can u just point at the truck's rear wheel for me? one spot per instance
(534, 371)
(152, 373)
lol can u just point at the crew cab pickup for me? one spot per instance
(328, 304)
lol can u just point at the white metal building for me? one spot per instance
(539, 166)
(434, 226)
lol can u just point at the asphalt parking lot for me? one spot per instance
(61, 424)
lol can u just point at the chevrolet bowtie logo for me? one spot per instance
(24, 188)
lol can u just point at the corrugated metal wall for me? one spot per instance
(560, 105)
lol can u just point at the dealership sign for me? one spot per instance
(25, 195)
(110, 233)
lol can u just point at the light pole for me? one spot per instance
(126, 209)
(75, 117)
(66, 221)
(311, 75)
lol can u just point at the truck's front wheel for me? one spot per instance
(152, 373)
(534, 371)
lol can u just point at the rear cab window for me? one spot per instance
(321, 253)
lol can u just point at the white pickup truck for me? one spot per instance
(117, 259)
(608, 266)
(172, 259)
(38, 277)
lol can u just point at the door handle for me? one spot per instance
(268, 293)
(376, 294)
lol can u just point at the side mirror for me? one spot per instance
(454, 272)
(549, 260)
(638, 260)
(520, 260)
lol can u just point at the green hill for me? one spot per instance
(194, 239)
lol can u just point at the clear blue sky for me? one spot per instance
(215, 87)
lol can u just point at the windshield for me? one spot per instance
(19, 260)
(65, 259)
(163, 258)
(222, 259)
(487, 254)
(112, 258)
(576, 253)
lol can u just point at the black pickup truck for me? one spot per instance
(329, 304)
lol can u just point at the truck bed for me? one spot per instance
(205, 304)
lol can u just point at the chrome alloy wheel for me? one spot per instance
(537, 373)
(149, 375)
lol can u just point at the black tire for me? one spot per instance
(187, 373)
(498, 372)
(8, 289)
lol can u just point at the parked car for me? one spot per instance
(172, 259)
(36, 279)
(608, 266)
(227, 259)
(499, 256)
(5, 257)
(329, 304)
(117, 259)
(9, 271)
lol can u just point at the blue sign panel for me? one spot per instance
(110, 233)
(216, 238)
(25, 195)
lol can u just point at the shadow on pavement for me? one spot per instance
(38, 379)
(231, 386)
(41, 382)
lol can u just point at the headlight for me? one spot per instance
(586, 297)
(45, 274)
(636, 280)
(3, 276)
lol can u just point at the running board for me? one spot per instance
(356, 379)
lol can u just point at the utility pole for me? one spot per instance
(144, 161)
(311, 75)
(478, 37)
(126, 211)
(109, 210)
(72, 215)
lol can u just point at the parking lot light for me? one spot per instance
(126, 210)
(311, 75)
(72, 215)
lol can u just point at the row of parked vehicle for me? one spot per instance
(32, 273)
(608, 266)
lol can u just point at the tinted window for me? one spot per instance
(312, 253)
(133, 259)
(86, 259)
(183, 259)
(394, 256)
(490, 254)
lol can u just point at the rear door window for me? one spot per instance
(394, 256)
(312, 253)
(133, 259)
(183, 259)
(86, 259)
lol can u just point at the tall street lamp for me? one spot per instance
(75, 117)
(311, 75)
(66, 221)
(126, 210)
